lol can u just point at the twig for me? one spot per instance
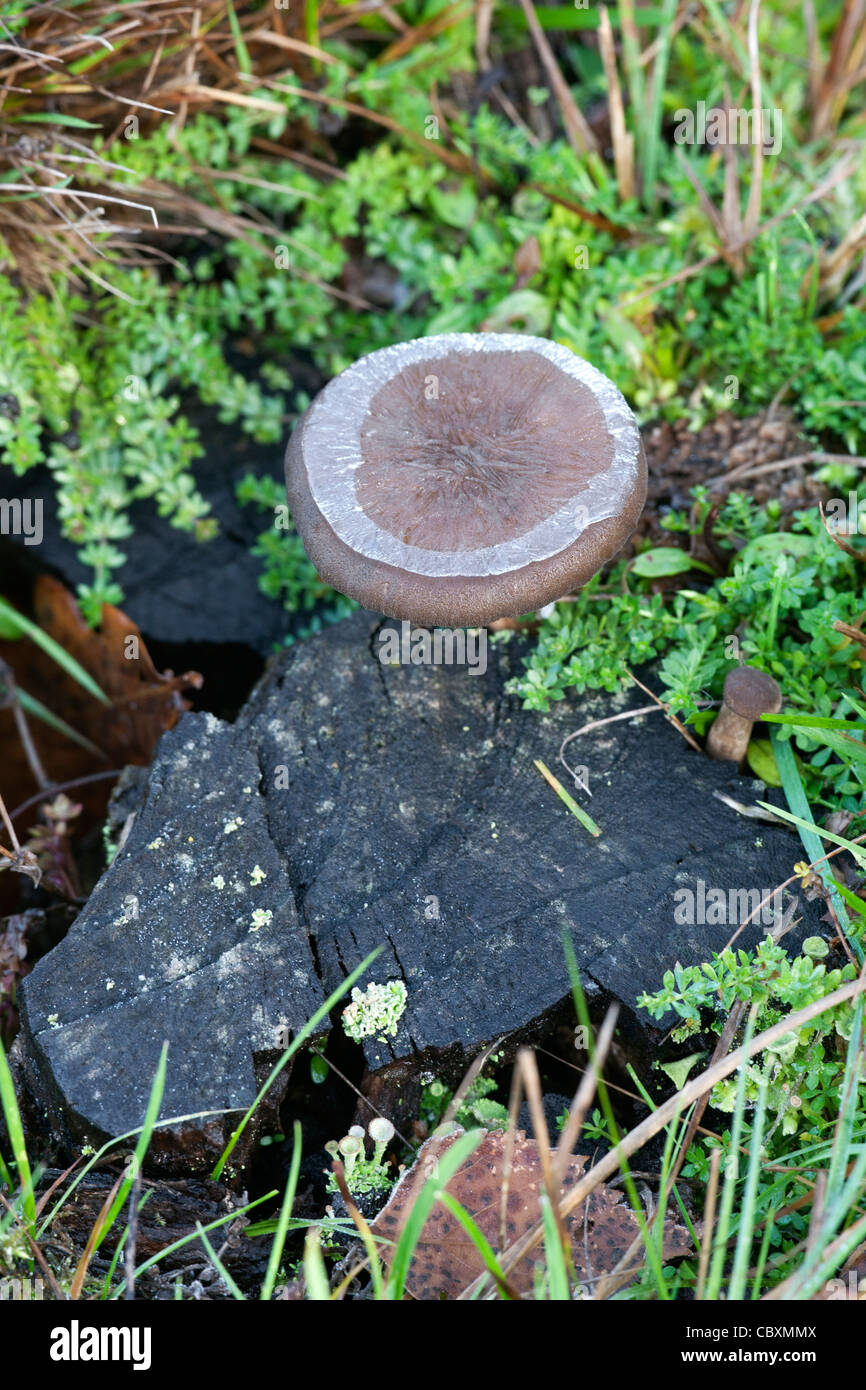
(795, 878)
(579, 134)
(10, 829)
(65, 787)
(129, 1252)
(709, 1214)
(753, 812)
(672, 719)
(42, 780)
(748, 470)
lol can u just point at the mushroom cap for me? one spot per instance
(751, 693)
(465, 477)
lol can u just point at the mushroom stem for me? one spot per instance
(728, 739)
(748, 695)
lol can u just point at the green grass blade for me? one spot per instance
(810, 834)
(309, 1027)
(586, 820)
(15, 1130)
(557, 1271)
(846, 748)
(31, 705)
(653, 139)
(856, 904)
(726, 1206)
(813, 721)
(800, 813)
(241, 50)
(748, 1209)
(151, 1114)
(279, 1240)
(218, 1264)
(315, 1273)
(478, 1238)
(760, 1263)
(52, 649)
(847, 1115)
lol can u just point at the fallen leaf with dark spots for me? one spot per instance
(600, 1230)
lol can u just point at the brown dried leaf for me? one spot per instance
(23, 861)
(446, 1261)
(145, 702)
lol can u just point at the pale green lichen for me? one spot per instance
(261, 917)
(257, 876)
(375, 1011)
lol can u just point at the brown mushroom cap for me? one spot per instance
(457, 479)
(751, 693)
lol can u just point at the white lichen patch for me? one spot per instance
(261, 917)
(232, 825)
(218, 882)
(53, 1020)
(375, 1010)
(184, 861)
(246, 790)
(178, 967)
(109, 984)
(257, 876)
(284, 736)
(324, 808)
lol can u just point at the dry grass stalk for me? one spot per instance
(623, 140)
(577, 131)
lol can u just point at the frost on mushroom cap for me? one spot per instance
(456, 479)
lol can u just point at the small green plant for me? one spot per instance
(287, 575)
(375, 1011)
(801, 1073)
(779, 601)
(476, 1108)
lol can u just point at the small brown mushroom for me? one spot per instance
(748, 695)
(465, 477)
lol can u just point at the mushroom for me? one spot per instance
(381, 1131)
(748, 695)
(465, 477)
(351, 1149)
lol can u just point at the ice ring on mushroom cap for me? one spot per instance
(465, 477)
